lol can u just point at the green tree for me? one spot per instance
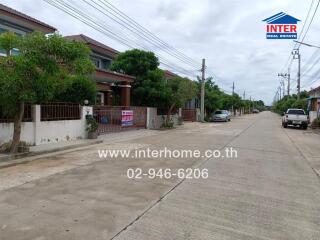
(149, 87)
(291, 101)
(42, 66)
(77, 90)
(180, 91)
(213, 96)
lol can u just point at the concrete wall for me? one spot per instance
(155, 121)
(41, 132)
(313, 115)
(27, 132)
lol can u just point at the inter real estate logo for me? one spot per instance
(281, 26)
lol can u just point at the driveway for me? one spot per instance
(270, 191)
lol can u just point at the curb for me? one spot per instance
(12, 160)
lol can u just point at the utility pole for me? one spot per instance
(286, 76)
(232, 88)
(203, 69)
(283, 88)
(250, 105)
(244, 98)
(288, 81)
(279, 89)
(296, 55)
(232, 98)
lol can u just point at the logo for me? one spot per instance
(281, 26)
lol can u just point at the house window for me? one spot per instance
(105, 64)
(2, 51)
(14, 51)
(100, 98)
(96, 62)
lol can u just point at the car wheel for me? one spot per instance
(304, 127)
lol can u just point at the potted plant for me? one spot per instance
(92, 128)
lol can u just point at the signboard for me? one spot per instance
(126, 117)
(281, 26)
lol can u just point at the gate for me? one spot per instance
(189, 115)
(110, 118)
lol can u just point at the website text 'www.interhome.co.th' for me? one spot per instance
(165, 152)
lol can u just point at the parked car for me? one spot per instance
(221, 115)
(255, 111)
(295, 117)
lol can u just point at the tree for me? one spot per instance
(136, 63)
(32, 76)
(77, 90)
(291, 101)
(149, 88)
(180, 91)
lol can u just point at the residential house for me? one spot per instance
(21, 24)
(314, 103)
(113, 88)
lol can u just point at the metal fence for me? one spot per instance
(110, 118)
(27, 116)
(189, 115)
(60, 111)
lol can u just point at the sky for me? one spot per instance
(229, 34)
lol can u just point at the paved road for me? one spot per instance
(271, 191)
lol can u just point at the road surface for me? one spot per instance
(270, 191)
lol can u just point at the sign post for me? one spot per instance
(126, 118)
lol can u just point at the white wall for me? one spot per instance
(42, 132)
(155, 121)
(312, 116)
(27, 130)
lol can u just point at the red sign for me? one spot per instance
(126, 118)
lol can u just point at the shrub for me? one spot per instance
(92, 124)
(315, 123)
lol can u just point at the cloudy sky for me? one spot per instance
(229, 34)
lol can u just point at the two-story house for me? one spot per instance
(21, 24)
(113, 88)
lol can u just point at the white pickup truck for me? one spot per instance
(295, 117)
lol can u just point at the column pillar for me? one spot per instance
(125, 95)
(108, 98)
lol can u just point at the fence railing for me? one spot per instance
(60, 111)
(109, 118)
(189, 115)
(27, 116)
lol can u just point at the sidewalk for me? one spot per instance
(9, 160)
(308, 144)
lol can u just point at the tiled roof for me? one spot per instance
(88, 40)
(11, 11)
(314, 89)
(169, 74)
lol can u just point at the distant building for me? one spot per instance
(20, 24)
(113, 88)
(168, 74)
(314, 103)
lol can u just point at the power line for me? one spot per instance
(102, 28)
(314, 13)
(295, 44)
(125, 24)
(133, 22)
